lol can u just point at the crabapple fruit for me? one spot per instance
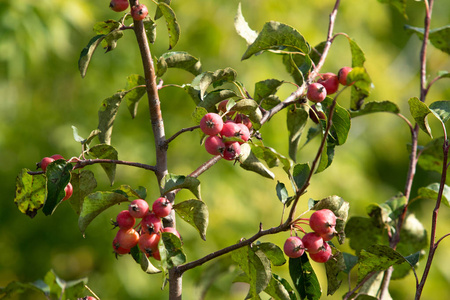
(125, 220)
(232, 151)
(161, 207)
(312, 242)
(171, 230)
(118, 249)
(316, 115)
(330, 81)
(45, 162)
(230, 129)
(57, 156)
(323, 255)
(151, 223)
(241, 118)
(323, 221)
(156, 255)
(148, 243)
(138, 208)
(342, 75)
(214, 145)
(69, 191)
(127, 238)
(139, 12)
(211, 124)
(118, 5)
(328, 236)
(316, 92)
(293, 247)
(244, 133)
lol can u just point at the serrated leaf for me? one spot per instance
(171, 251)
(195, 213)
(96, 203)
(304, 278)
(216, 78)
(107, 114)
(58, 176)
(296, 121)
(250, 162)
(441, 109)
(31, 191)
(277, 36)
(374, 107)
(420, 111)
(136, 89)
(104, 151)
(333, 268)
(439, 37)
(172, 182)
(214, 97)
(242, 27)
(183, 60)
(83, 184)
(273, 253)
(87, 52)
(173, 27)
(431, 192)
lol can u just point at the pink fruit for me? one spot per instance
(244, 133)
(125, 220)
(293, 247)
(139, 12)
(323, 255)
(214, 145)
(151, 223)
(69, 191)
(241, 118)
(162, 207)
(171, 230)
(323, 221)
(316, 92)
(211, 124)
(232, 151)
(118, 249)
(342, 75)
(330, 81)
(138, 208)
(57, 156)
(148, 243)
(118, 5)
(230, 129)
(127, 238)
(312, 242)
(45, 162)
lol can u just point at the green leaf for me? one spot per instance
(110, 41)
(150, 29)
(304, 278)
(296, 121)
(277, 36)
(441, 109)
(83, 184)
(96, 203)
(431, 192)
(158, 13)
(377, 258)
(87, 52)
(107, 114)
(266, 88)
(280, 289)
(104, 151)
(298, 66)
(374, 107)
(146, 265)
(341, 123)
(136, 89)
(361, 87)
(250, 162)
(183, 60)
(250, 108)
(171, 251)
(58, 176)
(172, 24)
(400, 5)
(282, 192)
(326, 158)
(317, 52)
(419, 111)
(432, 155)
(256, 265)
(271, 157)
(130, 193)
(363, 233)
(358, 57)
(350, 261)
(76, 136)
(16, 287)
(439, 37)
(242, 27)
(31, 191)
(215, 97)
(195, 213)
(217, 78)
(300, 174)
(273, 253)
(172, 182)
(333, 268)
(106, 27)
(65, 289)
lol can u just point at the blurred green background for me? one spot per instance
(43, 95)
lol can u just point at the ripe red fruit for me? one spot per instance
(156, 255)
(57, 156)
(171, 230)
(323, 221)
(151, 223)
(293, 247)
(162, 207)
(323, 255)
(88, 298)
(328, 236)
(118, 249)
(125, 220)
(316, 115)
(342, 75)
(118, 5)
(241, 118)
(45, 162)
(230, 129)
(69, 191)
(127, 238)
(232, 151)
(138, 208)
(316, 92)
(139, 12)
(312, 242)
(330, 81)
(211, 124)
(148, 243)
(214, 145)
(244, 133)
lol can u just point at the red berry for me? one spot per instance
(138, 208)
(244, 133)
(125, 220)
(241, 118)
(232, 151)
(330, 81)
(316, 115)
(118, 249)
(328, 236)
(127, 238)
(45, 162)
(323, 255)
(230, 129)
(316, 92)
(323, 221)
(342, 75)
(156, 255)
(57, 156)
(171, 230)
(118, 5)
(293, 247)
(139, 12)
(312, 242)
(214, 145)
(151, 223)
(148, 243)
(69, 191)
(211, 124)
(162, 207)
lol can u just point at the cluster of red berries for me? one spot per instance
(43, 165)
(323, 224)
(138, 11)
(225, 138)
(147, 233)
(327, 84)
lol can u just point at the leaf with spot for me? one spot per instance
(420, 111)
(172, 182)
(334, 267)
(304, 278)
(107, 114)
(136, 89)
(173, 27)
(202, 81)
(83, 184)
(31, 191)
(195, 213)
(439, 37)
(182, 60)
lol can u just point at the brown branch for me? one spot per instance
(180, 132)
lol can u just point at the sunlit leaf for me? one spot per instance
(298, 66)
(251, 163)
(31, 191)
(282, 192)
(171, 250)
(432, 191)
(104, 151)
(173, 27)
(83, 184)
(184, 61)
(374, 107)
(441, 109)
(250, 108)
(242, 27)
(195, 213)
(172, 182)
(439, 37)
(217, 78)
(304, 278)
(107, 114)
(420, 111)
(361, 87)
(273, 253)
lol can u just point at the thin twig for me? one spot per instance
(180, 132)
